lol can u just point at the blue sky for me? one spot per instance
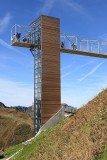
(81, 77)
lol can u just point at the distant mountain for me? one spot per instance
(16, 123)
(24, 109)
(2, 105)
(19, 108)
(27, 110)
(15, 126)
(68, 108)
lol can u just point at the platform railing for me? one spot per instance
(22, 34)
(31, 35)
(74, 42)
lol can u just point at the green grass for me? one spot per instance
(12, 150)
(47, 142)
(28, 150)
(103, 156)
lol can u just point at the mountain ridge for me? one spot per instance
(15, 126)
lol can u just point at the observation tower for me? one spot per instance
(42, 37)
(45, 42)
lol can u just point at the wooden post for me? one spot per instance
(50, 81)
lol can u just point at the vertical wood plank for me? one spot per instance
(51, 101)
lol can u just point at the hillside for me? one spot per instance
(15, 126)
(80, 137)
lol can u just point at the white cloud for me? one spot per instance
(67, 67)
(103, 37)
(15, 93)
(5, 44)
(4, 22)
(47, 6)
(77, 69)
(77, 7)
(91, 72)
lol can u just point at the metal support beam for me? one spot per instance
(83, 53)
(37, 88)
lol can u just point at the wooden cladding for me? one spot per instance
(50, 46)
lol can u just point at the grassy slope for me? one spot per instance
(102, 156)
(10, 151)
(81, 137)
(15, 127)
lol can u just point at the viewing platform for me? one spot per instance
(25, 45)
(83, 53)
(83, 46)
(30, 37)
(25, 37)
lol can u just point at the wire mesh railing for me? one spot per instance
(25, 34)
(83, 44)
